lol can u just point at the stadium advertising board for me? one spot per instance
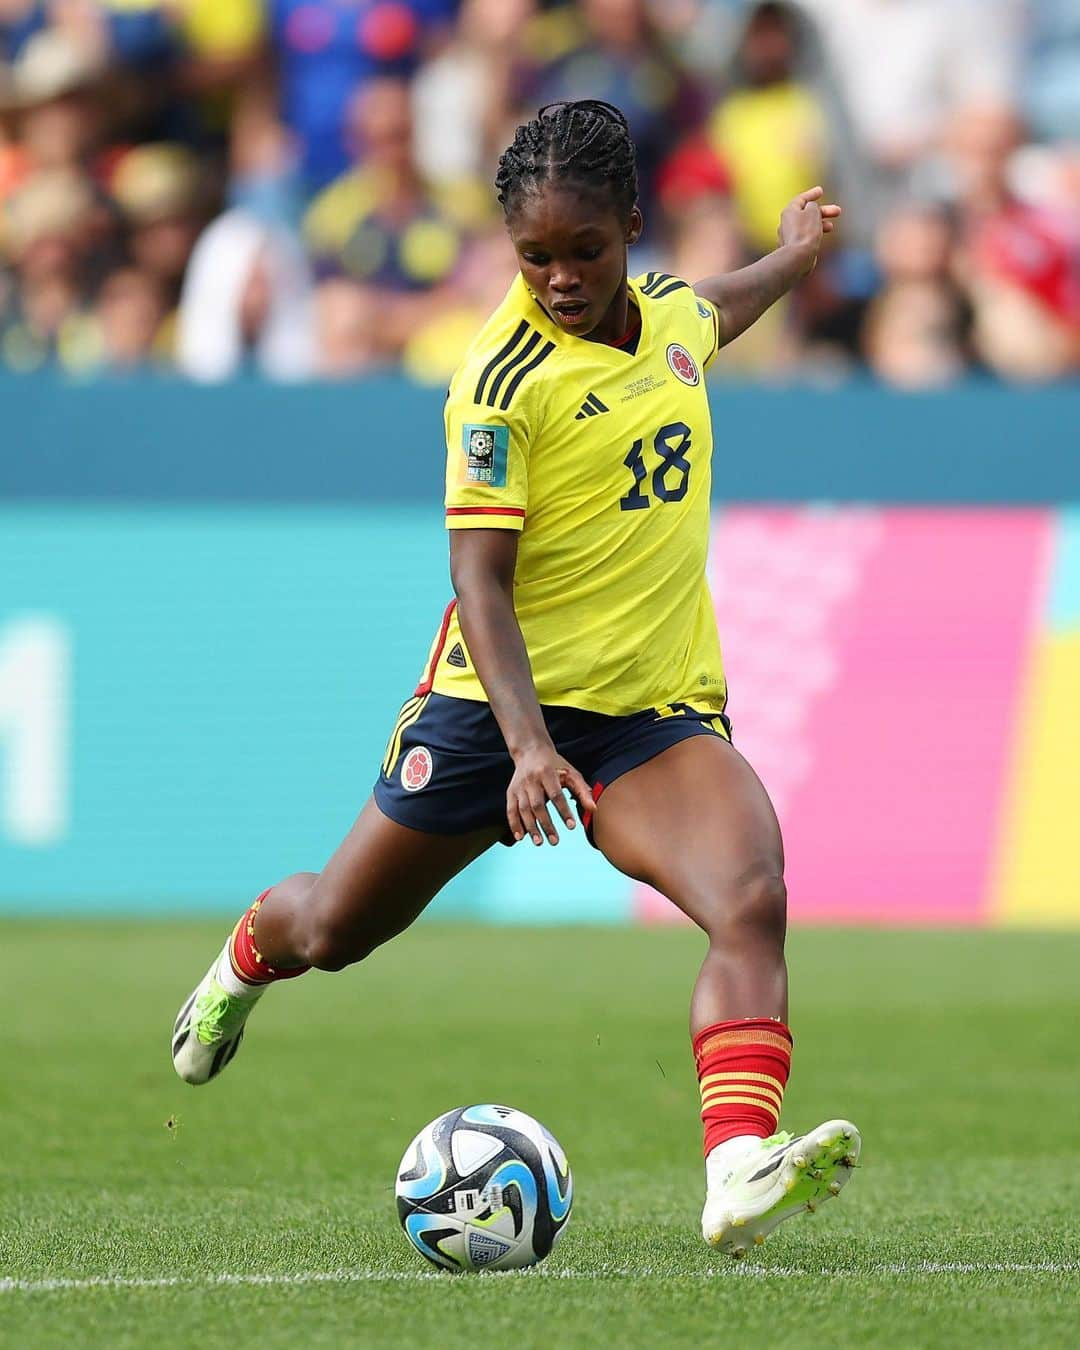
(194, 700)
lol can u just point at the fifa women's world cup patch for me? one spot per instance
(485, 450)
(683, 364)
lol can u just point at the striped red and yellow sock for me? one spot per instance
(742, 1070)
(247, 961)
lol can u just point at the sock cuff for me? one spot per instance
(742, 1069)
(248, 963)
(767, 1033)
(243, 954)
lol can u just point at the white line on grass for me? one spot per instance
(917, 1268)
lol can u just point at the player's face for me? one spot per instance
(571, 248)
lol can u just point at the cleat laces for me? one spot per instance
(212, 1011)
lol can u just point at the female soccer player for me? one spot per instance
(581, 654)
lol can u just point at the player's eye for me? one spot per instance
(590, 254)
(536, 259)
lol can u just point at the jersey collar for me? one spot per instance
(616, 356)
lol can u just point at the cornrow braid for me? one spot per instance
(585, 141)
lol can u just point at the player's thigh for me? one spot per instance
(696, 823)
(382, 877)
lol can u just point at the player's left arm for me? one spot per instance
(742, 297)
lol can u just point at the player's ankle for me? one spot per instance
(231, 982)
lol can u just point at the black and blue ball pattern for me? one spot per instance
(484, 1188)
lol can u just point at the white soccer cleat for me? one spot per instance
(210, 1025)
(777, 1179)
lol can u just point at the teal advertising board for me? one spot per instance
(194, 701)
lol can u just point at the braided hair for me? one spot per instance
(586, 142)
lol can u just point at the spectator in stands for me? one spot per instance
(59, 96)
(48, 230)
(1025, 295)
(246, 304)
(905, 65)
(264, 169)
(346, 322)
(130, 318)
(467, 100)
(914, 332)
(161, 194)
(221, 64)
(327, 49)
(772, 129)
(1017, 260)
(54, 104)
(381, 225)
(972, 159)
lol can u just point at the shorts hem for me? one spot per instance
(625, 763)
(390, 809)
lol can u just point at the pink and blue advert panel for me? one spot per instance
(906, 683)
(906, 680)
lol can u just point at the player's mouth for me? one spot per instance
(570, 312)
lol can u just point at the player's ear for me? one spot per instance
(634, 226)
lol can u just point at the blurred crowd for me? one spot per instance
(302, 188)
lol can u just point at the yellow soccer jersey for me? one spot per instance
(601, 458)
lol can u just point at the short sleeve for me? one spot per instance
(487, 463)
(708, 325)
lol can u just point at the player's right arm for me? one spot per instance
(482, 565)
(490, 426)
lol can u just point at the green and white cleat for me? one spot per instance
(777, 1179)
(210, 1026)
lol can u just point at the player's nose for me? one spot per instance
(564, 281)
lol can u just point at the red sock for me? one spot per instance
(248, 962)
(742, 1069)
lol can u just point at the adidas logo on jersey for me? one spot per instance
(456, 657)
(590, 408)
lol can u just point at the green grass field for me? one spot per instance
(264, 1216)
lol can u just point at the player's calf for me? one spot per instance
(331, 944)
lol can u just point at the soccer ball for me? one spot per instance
(484, 1188)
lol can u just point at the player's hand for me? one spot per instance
(804, 222)
(540, 775)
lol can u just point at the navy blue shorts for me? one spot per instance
(447, 768)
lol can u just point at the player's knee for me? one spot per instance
(332, 945)
(756, 907)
